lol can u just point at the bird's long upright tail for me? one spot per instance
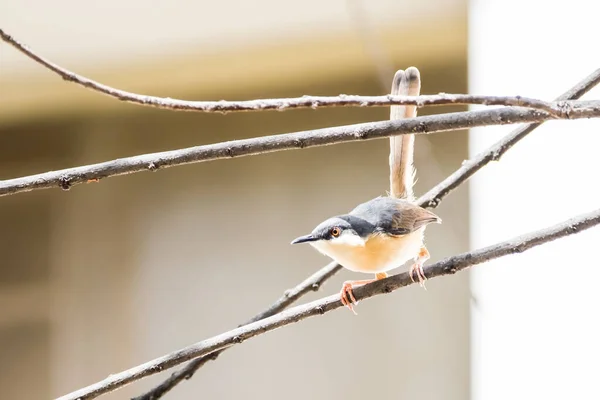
(402, 172)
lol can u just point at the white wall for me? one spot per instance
(535, 328)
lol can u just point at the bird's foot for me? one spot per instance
(346, 295)
(417, 267)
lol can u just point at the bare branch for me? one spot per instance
(438, 193)
(433, 197)
(312, 283)
(447, 266)
(558, 109)
(67, 178)
(397, 178)
(280, 104)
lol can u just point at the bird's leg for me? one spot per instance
(346, 295)
(381, 275)
(417, 267)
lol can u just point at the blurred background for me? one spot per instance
(107, 276)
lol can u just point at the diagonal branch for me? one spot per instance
(403, 83)
(67, 178)
(279, 104)
(401, 181)
(556, 109)
(447, 266)
(433, 197)
(438, 193)
(312, 283)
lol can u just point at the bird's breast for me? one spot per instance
(380, 253)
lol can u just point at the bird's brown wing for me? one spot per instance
(411, 217)
(393, 216)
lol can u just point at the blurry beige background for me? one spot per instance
(107, 276)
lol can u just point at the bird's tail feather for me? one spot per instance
(402, 171)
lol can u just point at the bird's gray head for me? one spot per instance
(343, 229)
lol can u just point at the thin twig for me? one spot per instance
(447, 266)
(433, 197)
(438, 193)
(281, 104)
(68, 178)
(312, 283)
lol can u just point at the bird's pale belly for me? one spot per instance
(380, 253)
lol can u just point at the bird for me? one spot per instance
(375, 237)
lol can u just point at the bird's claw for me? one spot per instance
(347, 297)
(418, 268)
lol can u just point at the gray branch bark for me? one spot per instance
(279, 104)
(67, 178)
(433, 197)
(311, 284)
(430, 200)
(447, 266)
(559, 109)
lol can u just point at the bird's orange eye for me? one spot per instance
(335, 232)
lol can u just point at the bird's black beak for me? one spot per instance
(304, 239)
